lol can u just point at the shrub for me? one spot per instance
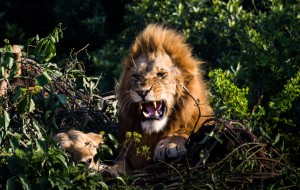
(46, 98)
(260, 38)
(251, 49)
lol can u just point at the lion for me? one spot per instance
(158, 87)
(82, 147)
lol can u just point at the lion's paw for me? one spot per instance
(170, 147)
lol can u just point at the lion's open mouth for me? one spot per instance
(153, 110)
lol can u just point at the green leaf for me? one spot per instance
(41, 146)
(15, 141)
(58, 182)
(276, 139)
(31, 105)
(10, 184)
(217, 137)
(25, 182)
(43, 183)
(62, 159)
(53, 122)
(121, 179)
(14, 70)
(21, 107)
(113, 140)
(6, 119)
(263, 133)
(48, 114)
(39, 46)
(106, 148)
(52, 52)
(47, 49)
(52, 39)
(9, 61)
(17, 94)
(103, 185)
(37, 129)
(62, 98)
(43, 79)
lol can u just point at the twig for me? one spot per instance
(197, 103)
(82, 48)
(208, 153)
(255, 107)
(21, 142)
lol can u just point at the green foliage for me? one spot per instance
(134, 139)
(282, 102)
(50, 98)
(107, 61)
(45, 48)
(260, 39)
(251, 49)
(231, 102)
(87, 17)
(228, 100)
(43, 166)
(235, 32)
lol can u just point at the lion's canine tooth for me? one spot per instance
(154, 104)
(141, 106)
(146, 114)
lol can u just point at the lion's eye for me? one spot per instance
(161, 75)
(135, 77)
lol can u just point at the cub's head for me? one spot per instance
(158, 64)
(82, 147)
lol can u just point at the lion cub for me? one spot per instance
(81, 146)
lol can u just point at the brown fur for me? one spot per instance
(82, 147)
(157, 41)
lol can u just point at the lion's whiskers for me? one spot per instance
(126, 102)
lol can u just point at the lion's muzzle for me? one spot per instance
(153, 109)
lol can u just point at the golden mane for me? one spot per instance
(158, 40)
(155, 39)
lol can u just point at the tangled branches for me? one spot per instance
(223, 154)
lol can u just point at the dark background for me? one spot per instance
(23, 19)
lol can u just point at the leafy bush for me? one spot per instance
(252, 50)
(41, 167)
(107, 62)
(228, 100)
(261, 39)
(46, 98)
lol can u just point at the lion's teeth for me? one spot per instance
(154, 104)
(146, 114)
(156, 114)
(141, 106)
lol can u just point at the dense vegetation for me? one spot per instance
(252, 55)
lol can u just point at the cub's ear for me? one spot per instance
(61, 137)
(63, 140)
(96, 137)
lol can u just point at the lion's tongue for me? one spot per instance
(152, 108)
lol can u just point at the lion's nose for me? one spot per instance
(142, 93)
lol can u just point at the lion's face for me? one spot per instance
(81, 147)
(153, 87)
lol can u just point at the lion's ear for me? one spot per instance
(65, 145)
(61, 137)
(96, 137)
(63, 140)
